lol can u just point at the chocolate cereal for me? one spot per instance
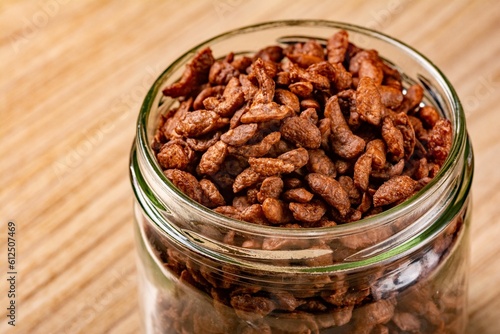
(309, 112)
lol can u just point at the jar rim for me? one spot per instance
(458, 141)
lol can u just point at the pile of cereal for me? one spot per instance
(309, 135)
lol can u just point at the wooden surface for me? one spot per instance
(73, 75)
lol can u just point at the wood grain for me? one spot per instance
(73, 76)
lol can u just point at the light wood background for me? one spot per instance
(72, 77)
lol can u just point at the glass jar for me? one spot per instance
(402, 271)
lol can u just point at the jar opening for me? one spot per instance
(421, 211)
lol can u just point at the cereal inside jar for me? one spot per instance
(317, 183)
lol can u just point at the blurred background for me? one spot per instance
(72, 78)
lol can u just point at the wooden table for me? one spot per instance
(73, 75)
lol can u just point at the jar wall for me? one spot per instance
(423, 292)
